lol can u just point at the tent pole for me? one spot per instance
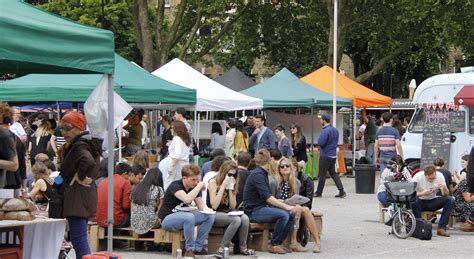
(312, 129)
(334, 66)
(59, 111)
(354, 140)
(110, 164)
(119, 136)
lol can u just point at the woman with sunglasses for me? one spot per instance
(221, 197)
(298, 143)
(288, 185)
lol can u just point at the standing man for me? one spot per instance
(16, 126)
(262, 137)
(262, 207)
(370, 130)
(327, 143)
(144, 123)
(250, 128)
(179, 115)
(429, 182)
(387, 142)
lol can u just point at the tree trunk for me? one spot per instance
(341, 36)
(144, 34)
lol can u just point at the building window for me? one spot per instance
(167, 4)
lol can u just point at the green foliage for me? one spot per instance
(117, 18)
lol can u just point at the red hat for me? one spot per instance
(76, 119)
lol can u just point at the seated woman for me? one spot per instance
(398, 173)
(42, 190)
(176, 215)
(287, 186)
(464, 206)
(147, 198)
(222, 193)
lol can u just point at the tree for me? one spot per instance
(163, 36)
(117, 17)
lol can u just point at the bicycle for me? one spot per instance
(401, 194)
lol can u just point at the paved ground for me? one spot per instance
(351, 230)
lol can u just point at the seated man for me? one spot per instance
(262, 207)
(174, 217)
(136, 174)
(122, 191)
(428, 184)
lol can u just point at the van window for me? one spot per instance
(417, 122)
(471, 120)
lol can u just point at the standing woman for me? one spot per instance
(217, 139)
(38, 141)
(135, 130)
(167, 136)
(178, 151)
(222, 193)
(298, 143)
(230, 138)
(287, 186)
(80, 166)
(241, 140)
(147, 198)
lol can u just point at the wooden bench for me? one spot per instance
(159, 235)
(259, 235)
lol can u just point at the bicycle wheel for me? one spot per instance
(404, 224)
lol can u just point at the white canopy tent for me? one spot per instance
(211, 96)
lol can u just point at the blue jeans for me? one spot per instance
(284, 222)
(369, 153)
(186, 221)
(444, 202)
(383, 163)
(78, 236)
(382, 197)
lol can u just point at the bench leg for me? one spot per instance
(381, 214)
(263, 243)
(94, 238)
(176, 243)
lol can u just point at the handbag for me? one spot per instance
(423, 230)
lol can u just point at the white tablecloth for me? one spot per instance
(42, 238)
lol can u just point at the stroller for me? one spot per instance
(401, 194)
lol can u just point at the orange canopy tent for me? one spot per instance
(345, 87)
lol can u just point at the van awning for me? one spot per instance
(465, 96)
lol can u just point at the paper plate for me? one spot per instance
(236, 213)
(210, 212)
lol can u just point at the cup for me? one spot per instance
(229, 186)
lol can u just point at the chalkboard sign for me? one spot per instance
(457, 120)
(436, 137)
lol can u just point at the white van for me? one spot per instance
(440, 89)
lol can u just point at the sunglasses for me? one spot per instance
(66, 127)
(284, 166)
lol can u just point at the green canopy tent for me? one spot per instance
(131, 82)
(286, 90)
(35, 41)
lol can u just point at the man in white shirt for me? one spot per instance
(429, 182)
(144, 123)
(16, 127)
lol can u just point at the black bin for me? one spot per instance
(365, 178)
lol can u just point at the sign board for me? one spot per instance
(436, 137)
(457, 120)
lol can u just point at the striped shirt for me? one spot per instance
(387, 137)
